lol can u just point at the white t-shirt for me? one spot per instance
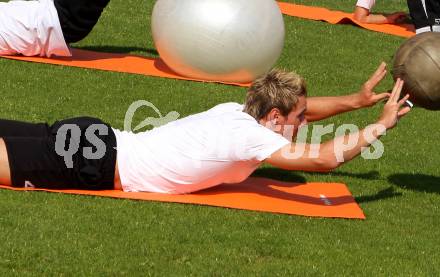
(367, 4)
(31, 28)
(221, 145)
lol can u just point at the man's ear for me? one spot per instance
(273, 115)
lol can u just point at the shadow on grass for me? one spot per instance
(416, 182)
(120, 49)
(383, 194)
(406, 23)
(280, 175)
(295, 177)
(371, 175)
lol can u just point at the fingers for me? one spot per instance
(403, 111)
(395, 93)
(381, 96)
(399, 14)
(378, 75)
(403, 100)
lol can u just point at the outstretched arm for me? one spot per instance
(331, 154)
(323, 107)
(363, 15)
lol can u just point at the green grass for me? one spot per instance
(52, 234)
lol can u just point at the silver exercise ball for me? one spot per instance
(222, 40)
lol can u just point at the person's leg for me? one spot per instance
(12, 128)
(5, 172)
(34, 162)
(433, 11)
(419, 16)
(68, 158)
(78, 17)
(96, 168)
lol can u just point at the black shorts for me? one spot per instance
(77, 153)
(78, 17)
(427, 15)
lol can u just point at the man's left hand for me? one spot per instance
(366, 97)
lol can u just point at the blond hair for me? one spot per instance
(277, 89)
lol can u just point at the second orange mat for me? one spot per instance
(256, 194)
(113, 62)
(338, 17)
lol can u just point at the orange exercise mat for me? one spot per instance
(338, 17)
(113, 62)
(255, 194)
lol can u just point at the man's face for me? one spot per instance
(289, 125)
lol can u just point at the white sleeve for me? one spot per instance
(261, 142)
(367, 4)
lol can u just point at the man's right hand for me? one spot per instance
(397, 18)
(393, 110)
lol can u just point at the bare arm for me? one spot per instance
(331, 154)
(363, 15)
(323, 107)
(326, 156)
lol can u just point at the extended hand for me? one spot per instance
(393, 110)
(398, 17)
(366, 96)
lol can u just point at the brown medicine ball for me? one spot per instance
(417, 62)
